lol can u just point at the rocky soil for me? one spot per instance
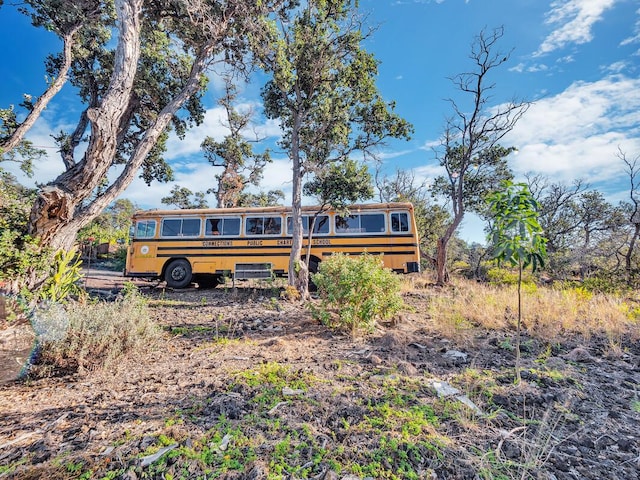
(245, 385)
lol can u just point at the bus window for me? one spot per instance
(263, 226)
(145, 229)
(320, 227)
(181, 227)
(360, 223)
(399, 222)
(227, 226)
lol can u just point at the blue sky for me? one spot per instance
(577, 60)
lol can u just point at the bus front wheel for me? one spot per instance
(178, 274)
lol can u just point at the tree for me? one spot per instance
(240, 165)
(181, 198)
(516, 237)
(271, 198)
(133, 95)
(633, 208)
(112, 224)
(584, 232)
(322, 90)
(431, 218)
(73, 23)
(338, 186)
(473, 160)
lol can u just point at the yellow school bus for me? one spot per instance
(206, 245)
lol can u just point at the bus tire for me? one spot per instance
(178, 274)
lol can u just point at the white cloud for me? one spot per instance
(574, 20)
(214, 126)
(635, 38)
(616, 67)
(199, 177)
(576, 133)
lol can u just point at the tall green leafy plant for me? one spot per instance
(517, 237)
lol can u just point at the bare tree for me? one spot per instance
(470, 153)
(633, 171)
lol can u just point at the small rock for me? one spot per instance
(286, 391)
(579, 354)
(375, 360)
(443, 389)
(407, 368)
(456, 356)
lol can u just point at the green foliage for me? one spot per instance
(474, 175)
(516, 235)
(64, 278)
(20, 253)
(271, 198)
(112, 225)
(341, 184)
(355, 292)
(181, 198)
(506, 276)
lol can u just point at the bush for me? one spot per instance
(99, 334)
(20, 254)
(355, 292)
(500, 276)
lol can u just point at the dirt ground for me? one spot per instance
(247, 386)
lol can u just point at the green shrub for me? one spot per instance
(508, 276)
(20, 254)
(355, 292)
(64, 278)
(99, 334)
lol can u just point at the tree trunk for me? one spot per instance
(629, 255)
(54, 217)
(298, 273)
(63, 207)
(442, 275)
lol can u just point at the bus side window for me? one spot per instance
(399, 222)
(145, 229)
(231, 226)
(272, 225)
(372, 223)
(254, 226)
(212, 227)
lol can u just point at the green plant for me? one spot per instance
(517, 237)
(355, 292)
(64, 277)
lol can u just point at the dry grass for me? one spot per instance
(98, 334)
(547, 313)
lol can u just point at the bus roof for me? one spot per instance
(279, 209)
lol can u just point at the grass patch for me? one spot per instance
(549, 314)
(98, 334)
